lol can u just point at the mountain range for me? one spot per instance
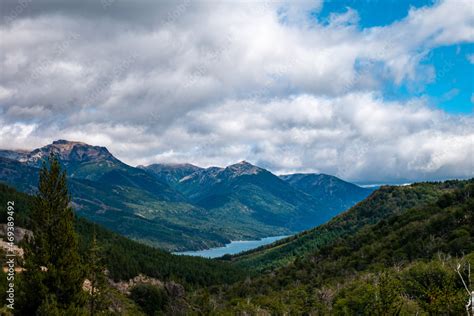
(394, 253)
(182, 206)
(383, 203)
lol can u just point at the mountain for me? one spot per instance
(170, 173)
(406, 262)
(128, 263)
(96, 163)
(382, 203)
(248, 195)
(294, 202)
(130, 211)
(125, 199)
(331, 192)
(69, 152)
(180, 206)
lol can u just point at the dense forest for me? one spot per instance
(384, 202)
(120, 258)
(406, 263)
(402, 251)
(126, 258)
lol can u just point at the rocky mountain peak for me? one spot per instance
(66, 142)
(243, 168)
(71, 151)
(172, 165)
(67, 151)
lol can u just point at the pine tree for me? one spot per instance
(54, 271)
(97, 278)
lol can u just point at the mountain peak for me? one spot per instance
(171, 173)
(175, 165)
(73, 151)
(242, 163)
(243, 168)
(67, 151)
(67, 142)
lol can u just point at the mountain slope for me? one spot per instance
(170, 173)
(331, 192)
(126, 199)
(248, 194)
(14, 154)
(179, 207)
(382, 203)
(402, 265)
(130, 211)
(96, 163)
(130, 200)
(125, 258)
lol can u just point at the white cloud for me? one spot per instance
(358, 136)
(211, 84)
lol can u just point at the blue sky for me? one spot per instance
(372, 12)
(450, 88)
(371, 91)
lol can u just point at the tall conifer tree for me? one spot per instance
(53, 268)
(96, 274)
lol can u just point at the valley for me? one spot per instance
(237, 158)
(393, 251)
(180, 207)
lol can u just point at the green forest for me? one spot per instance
(405, 264)
(402, 251)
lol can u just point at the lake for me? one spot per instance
(230, 249)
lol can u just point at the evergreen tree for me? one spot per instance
(98, 280)
(152, 299)
(53, 268)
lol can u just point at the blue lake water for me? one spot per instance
(232, 248)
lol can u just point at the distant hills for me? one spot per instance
(181, 206)
(395, 253)
(383, 203)
(329, 192)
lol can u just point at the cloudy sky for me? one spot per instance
(374, 91)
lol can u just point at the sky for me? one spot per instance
(371, 91)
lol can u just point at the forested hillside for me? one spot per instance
(125, 258)
(126, 209)
(403, 264)
(331, 193)
(384, 202)
(402, 251)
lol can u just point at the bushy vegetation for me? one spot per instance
(404, 264)
(151, 299)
